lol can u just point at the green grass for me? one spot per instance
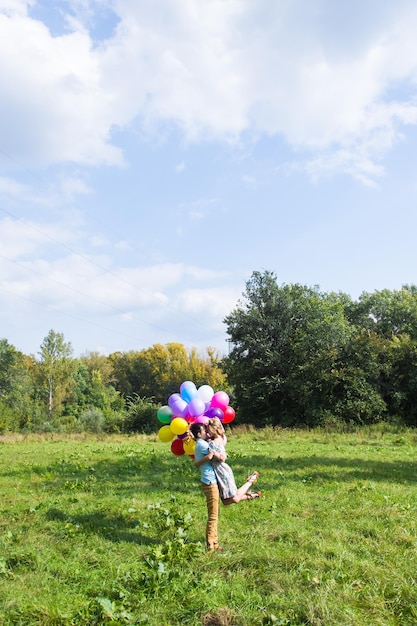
(111, 531)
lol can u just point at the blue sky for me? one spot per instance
(154, 154)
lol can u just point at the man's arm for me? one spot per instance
(206, 458)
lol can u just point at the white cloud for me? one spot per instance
(210, 303)
(10, 187)
(217, 70)
(53, 107)
(20, 239)
(249, 181)
(15, 7)
(200, 208)
(35, 264)
(180, 167)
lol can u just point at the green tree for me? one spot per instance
(95, 384)
(18, 407)
(358, 376)
(157, 372)
(297, 358)
(129, 371)
(56, 372)
(8, 359)
(392, 316)
(100, 363)
(261, 330)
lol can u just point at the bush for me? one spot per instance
(92, 420)
(141, 415)
(6, 418)
(115, 422)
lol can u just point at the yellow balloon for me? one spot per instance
(189, 447)
(165, 434)
(179, 425)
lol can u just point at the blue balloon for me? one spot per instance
(189, 392)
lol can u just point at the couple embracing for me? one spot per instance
(217, 479)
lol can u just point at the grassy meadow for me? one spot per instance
(111, 531)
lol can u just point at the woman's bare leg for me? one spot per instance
(241, 493)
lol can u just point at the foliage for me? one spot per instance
(92, 420)
(300, 356)
(55, 372)
(156, 371)
(90, 390)
(110, 530)
(58, 393)
(140, 415)
(19, 408)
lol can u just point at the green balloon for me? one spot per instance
(164, 414)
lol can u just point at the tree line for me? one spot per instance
(298, 357)
(120, 392)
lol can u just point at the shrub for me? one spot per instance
(92, 420)
(141, 414)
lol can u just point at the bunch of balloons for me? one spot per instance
(186, 407)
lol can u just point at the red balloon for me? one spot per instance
(177, 447)
(229, 415)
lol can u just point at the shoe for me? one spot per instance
(254, 494)
(253, 477)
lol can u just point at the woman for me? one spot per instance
(229, 493)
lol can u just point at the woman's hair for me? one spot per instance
(215, 427)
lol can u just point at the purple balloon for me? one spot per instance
(172, 398)
(187, 383)
(196, 407)
(180, 408)
(214, 412)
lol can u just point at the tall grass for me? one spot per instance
(111, 531)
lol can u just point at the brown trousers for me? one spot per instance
(212, 498)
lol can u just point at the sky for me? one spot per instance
(153, 155)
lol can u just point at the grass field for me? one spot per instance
(111, 531)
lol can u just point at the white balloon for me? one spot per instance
(205, 392)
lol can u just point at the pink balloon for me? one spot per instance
(220, 400)
(203, 419)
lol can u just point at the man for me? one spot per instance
(202, 458)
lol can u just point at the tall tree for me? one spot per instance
(56, 370)
(158, 371)
(261, 329)
(8, 359)
(295, 360)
